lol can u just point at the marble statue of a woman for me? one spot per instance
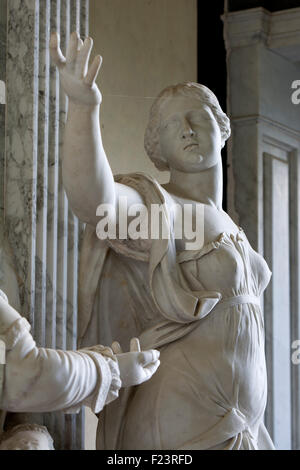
(37, 379)
(200, 307)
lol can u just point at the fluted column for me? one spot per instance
(43, 232)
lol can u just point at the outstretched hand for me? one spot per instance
(77, 77)
(136, 366)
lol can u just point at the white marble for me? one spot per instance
(38, 379)
(26, 437)
(201, 307)
(43, 233)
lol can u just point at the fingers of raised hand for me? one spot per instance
(135, 345)
(83, 57)
(116, 348)
(80, 44)
(56, 54)
(93, 71)
(72, 49)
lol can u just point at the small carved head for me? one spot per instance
(26, 437)
(189, 90)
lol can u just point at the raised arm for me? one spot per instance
(87, 176)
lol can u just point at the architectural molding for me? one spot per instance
(259, 119)
(279, 31)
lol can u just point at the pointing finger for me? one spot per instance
(93, 71)
(56, 54)
(135, 345)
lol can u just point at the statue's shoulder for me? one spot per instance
(138, 178)
(145, 184)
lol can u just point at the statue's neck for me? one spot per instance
(205, 186)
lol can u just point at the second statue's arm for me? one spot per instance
(43, 379)
(87, 176)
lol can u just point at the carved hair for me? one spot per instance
(27, 427)
(187, 89)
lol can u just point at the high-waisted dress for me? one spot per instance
(211, 387)
(202, 310)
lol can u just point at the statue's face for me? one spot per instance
(190, 136)
(26, 440)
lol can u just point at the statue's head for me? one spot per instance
(203, 98)
(26, 436)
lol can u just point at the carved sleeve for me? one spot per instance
(39, 379)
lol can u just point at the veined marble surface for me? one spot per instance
(43, 233)
(2, 106)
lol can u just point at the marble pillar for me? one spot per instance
(43, 233)
(263, 186)
(8, 280)
(3, 6)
